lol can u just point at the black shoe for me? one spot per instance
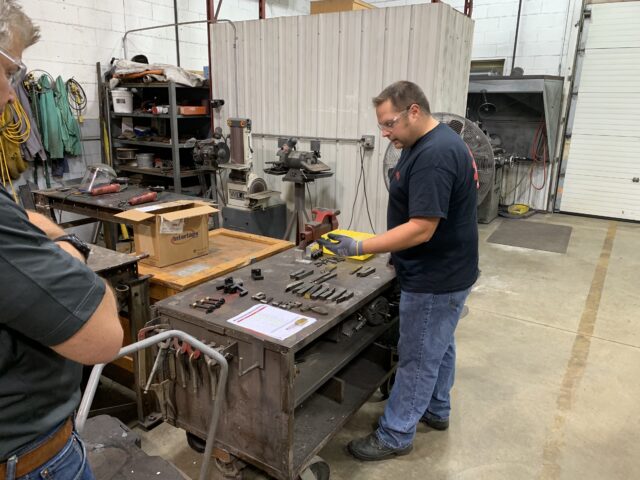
(435, 423)
(370, 449)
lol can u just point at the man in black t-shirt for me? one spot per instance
(433, 239)
(55, 315)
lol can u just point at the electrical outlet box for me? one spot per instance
(368, 142)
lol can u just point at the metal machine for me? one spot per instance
(210, 154)
(248, 206)
(521, 116)
(487, 163)
(285, 397)
(245, 189)
(300, 168)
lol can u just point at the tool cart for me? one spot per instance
(287, 394)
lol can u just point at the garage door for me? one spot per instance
(603, 167)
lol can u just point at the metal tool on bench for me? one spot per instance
(365, 272)
(329, 259)
(256, 274)
(208, 303)
(221, 300)
(320, 310)
(307, 287)
(325, 220)
(324, 277)
(326, 294)
(293, 285)
(316, 294)
(207, 308)
(231, 286)
(302, 285)
(355, 270)
(317, 287)
(339, 292)
(344, 297)
(300, 274)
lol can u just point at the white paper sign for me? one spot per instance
(177, 226)
(271, 321)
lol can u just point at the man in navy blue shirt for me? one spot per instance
(432, 235)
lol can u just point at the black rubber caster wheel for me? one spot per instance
(317, 469)
(196, 443)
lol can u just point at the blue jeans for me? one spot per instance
(70, 463)
(426, 364)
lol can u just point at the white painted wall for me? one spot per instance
(78, 33)
(543, 38)
(75, 34)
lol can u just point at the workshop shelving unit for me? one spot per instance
(179, 127)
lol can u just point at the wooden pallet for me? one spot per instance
(228, 251)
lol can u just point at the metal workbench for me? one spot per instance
(285, 398)
(120, 270)
(99, 208)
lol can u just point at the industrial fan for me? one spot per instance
(482, 152)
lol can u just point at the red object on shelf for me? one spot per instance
(192, 110)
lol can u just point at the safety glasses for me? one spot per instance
(388, 125)
(16, 75)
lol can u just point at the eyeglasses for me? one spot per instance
(18, 74)
(388, 125)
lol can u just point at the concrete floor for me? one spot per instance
(548, 378)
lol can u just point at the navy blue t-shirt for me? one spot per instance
(436, 178)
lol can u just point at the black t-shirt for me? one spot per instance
(436, 178)
(46, 296)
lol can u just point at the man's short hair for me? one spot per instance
(402, 95)
(15, 26)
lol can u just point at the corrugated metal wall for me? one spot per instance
(314, 76)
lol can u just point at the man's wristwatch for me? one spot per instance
(78, 244)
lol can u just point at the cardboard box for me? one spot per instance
(170, 232)
(327, 6)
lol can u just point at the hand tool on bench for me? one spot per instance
(366, 272)
(337, 294)
(315, 295)
(344, 297)
(293, 285)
